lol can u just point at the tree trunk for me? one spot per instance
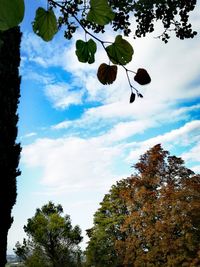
(9, 149)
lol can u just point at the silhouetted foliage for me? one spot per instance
(173, 15)
(9, 149)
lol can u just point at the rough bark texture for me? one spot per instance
(9, 149)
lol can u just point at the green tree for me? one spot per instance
(9, 149)
(100, 251)
(52, 241)
(161, 224)
(30, 255)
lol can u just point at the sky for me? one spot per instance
(79, 137)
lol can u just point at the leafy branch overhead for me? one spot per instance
(93, 16)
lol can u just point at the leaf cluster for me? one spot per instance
(173, 15)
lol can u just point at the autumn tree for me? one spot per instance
(161, 224)
(52, 241)
(9, 148)
(162, 231)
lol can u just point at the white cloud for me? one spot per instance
(193, 153)
(61, 95)
(43, 78)
(74, 163)
(29, 135)
(119, 121)
(61, 125)
(123, 130)
(45, 54)
(181, 135)
(186, 135)
(71, 163)
(196, 169)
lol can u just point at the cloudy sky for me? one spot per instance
(79, 137)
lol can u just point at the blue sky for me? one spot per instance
(79, 137)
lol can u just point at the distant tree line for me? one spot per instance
(150, 219)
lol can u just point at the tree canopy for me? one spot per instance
(151, 218)
(52, 241)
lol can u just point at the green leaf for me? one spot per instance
(45, 24)
(120, 52)
(11, 13)
(85, 51)
(100, 12)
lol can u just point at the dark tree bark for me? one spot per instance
(9, 149)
